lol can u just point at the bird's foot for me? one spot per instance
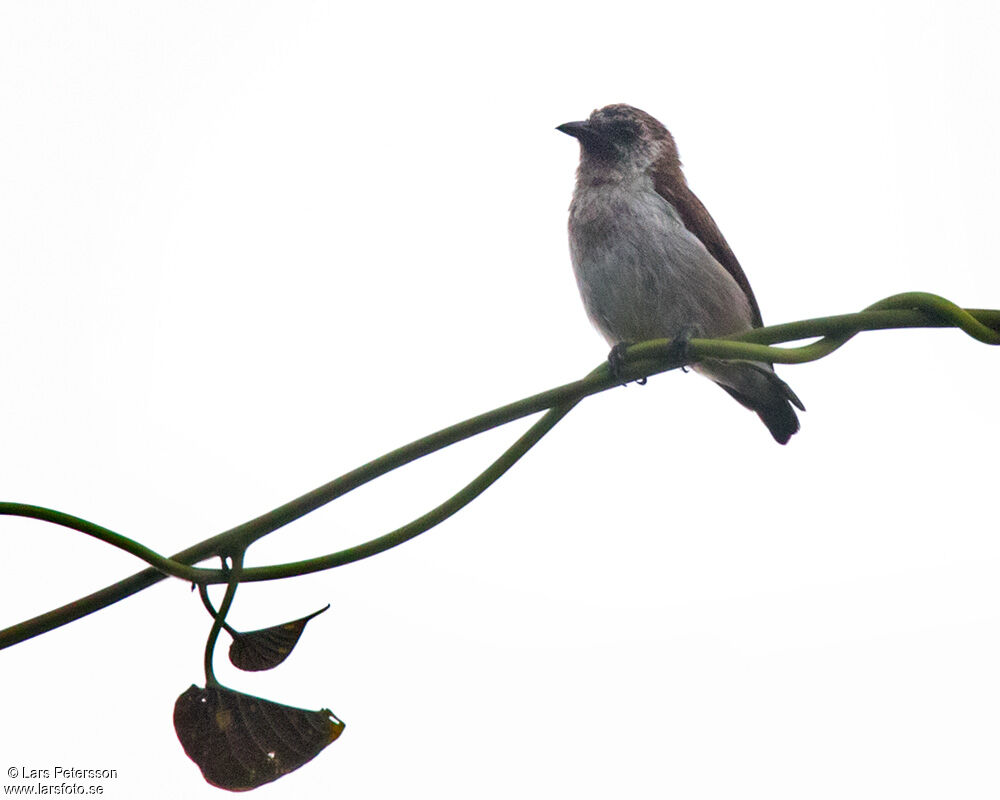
(679, 350)
(616, 363)
(616, 360)
(678, 353)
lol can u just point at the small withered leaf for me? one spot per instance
(253, 651)
(241, 742)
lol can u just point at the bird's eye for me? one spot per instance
(622, 131)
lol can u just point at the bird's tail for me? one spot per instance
(757, 387)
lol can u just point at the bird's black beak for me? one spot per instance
(588, 136)
(578, 130)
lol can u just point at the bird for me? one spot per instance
(651, 263)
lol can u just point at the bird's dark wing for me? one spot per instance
(670, 185)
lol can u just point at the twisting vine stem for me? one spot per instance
(220, 618)
(910, 310)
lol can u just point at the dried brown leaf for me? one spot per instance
(265, 649)
(241, 742)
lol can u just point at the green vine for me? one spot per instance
(910, 310)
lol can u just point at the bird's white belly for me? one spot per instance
(642, 274)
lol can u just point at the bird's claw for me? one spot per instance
(616, 363)
(679, 350)
(616, 360)
(678, 353)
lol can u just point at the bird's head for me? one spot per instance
(620, 140)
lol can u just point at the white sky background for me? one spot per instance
(246, 247)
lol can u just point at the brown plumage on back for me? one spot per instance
(670, 184)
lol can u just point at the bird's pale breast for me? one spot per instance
(641, 273)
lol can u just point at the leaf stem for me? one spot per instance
(235, 575)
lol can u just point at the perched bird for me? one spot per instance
(650, 261)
